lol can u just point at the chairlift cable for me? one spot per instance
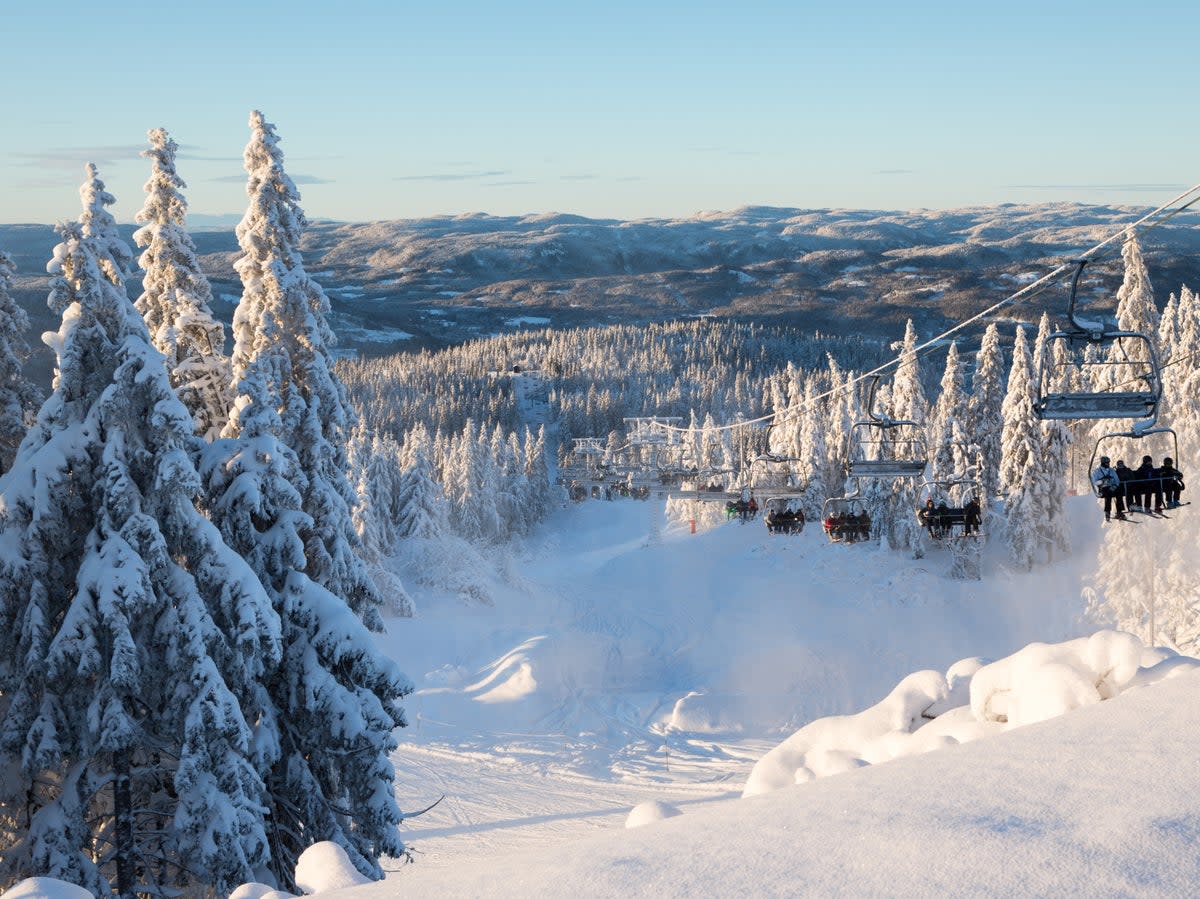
(1155, 218)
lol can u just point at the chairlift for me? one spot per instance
(653, 430)
(951, 509)
(783, 514)
(1074, 360)
(585, 463)
(1113, 446)
(774, 475)
(845, 519)
(884, 447)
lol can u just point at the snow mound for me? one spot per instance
(928, 711)
(1044, 681)
(260, 891)
(509, 678)
(704, 713)
(325, 866)
(46, 888)
(649, 812)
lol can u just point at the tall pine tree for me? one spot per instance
(280, 493)
(176, 296)
(1021, 452)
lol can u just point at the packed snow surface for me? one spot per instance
(617, 670)
(46, 888)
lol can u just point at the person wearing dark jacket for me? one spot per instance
(972, 516)
(1146, 487)
(1170, 481)
(1129, 490)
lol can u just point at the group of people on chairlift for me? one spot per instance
(787, 520)
(745, 508)
(848, 526)
(941, 520)
(1144, 489)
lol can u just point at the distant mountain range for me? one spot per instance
(438, 281)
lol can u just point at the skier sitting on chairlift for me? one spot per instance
(928, 516)
(1108, 485)
(972, 516)
(1143, 487)
(1170, 480)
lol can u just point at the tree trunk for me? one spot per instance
(123, 824)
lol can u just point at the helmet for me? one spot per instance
(1104, 460)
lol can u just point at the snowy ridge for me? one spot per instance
(495, 274)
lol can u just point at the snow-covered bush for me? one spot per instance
(928, 710)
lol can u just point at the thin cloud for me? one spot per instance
(508, 183)
(296, 179)
(1164, 188)
(77, 157)
(194, 155)
(41, 184)
(453, 176)
(579, 177)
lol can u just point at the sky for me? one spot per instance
(391, 109)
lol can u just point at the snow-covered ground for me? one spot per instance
(622, 670)
(591, 732)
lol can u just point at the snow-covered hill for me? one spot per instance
(431, 282)
(617, 670)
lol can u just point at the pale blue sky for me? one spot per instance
(622, 109)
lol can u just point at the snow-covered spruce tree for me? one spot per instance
(1021, 459)
(948, 455)
(279, 491)
(813, 452)
(1056, 440)
(375, 467)
(1136, 309)
(537, 473)
(841, 413)
(176, 296)
(907, 403)
(281, 334)
(136, 638)
(18, 395)
(1168, 327)
(420, 503)
(110, 250)
(1137, 312)
(984, 418)
(1179, 339)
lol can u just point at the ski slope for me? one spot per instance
(614, 669)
